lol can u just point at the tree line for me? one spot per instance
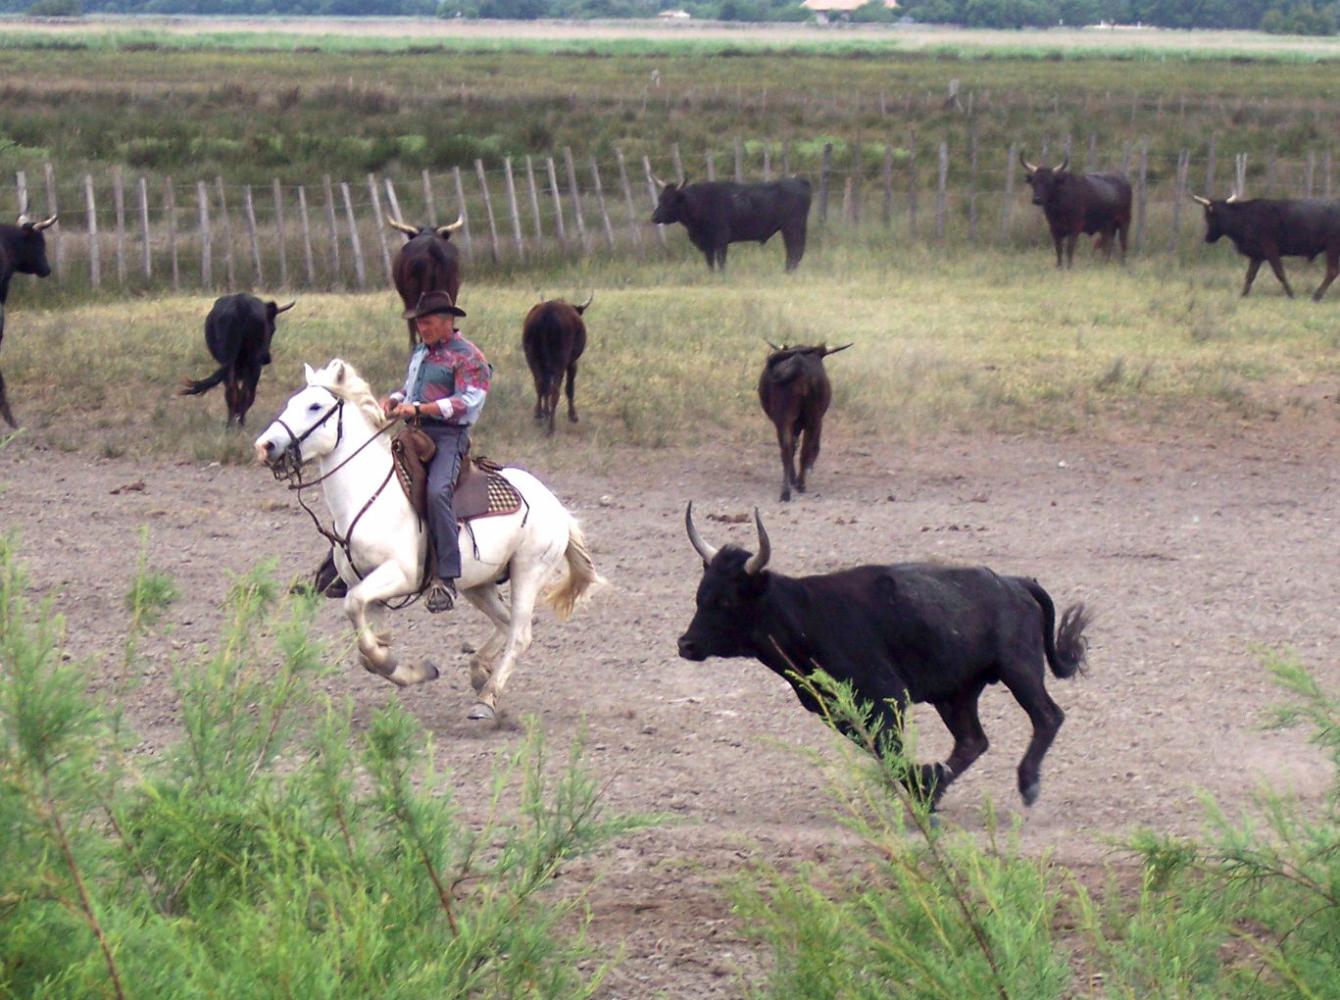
(1304, 17)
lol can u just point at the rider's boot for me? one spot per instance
(441, 595)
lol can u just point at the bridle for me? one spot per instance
(288, 468)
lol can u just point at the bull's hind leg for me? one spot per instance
(809, 453)
(1332, 271)
(1024, 679)
(4, 400)
(786, 442)
(1277, 266)
(794, 239)
(571, 390)
(490, 603)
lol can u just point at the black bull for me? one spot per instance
(1266, 230)
(426, 262)
(1081, 203)
(238, 332)
(718, 213)
(903, 633)
(23, 250)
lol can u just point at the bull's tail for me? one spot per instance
(1066, 654)
(579, 580)
(194, 387)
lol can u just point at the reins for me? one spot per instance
(291, 472)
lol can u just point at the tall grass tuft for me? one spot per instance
(271, 851)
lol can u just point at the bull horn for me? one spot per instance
(23, 220)
(760, 558)
(705, 551)
(658, 182)
(445, 231)
(774, 346)
(405, 228)
(1030, 167)
(1202, 201)
(589, 299)
(1231, 198)
(1065, 162)
(280, 309)
(834, 350)
(39, 226)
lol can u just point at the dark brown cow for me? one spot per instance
(238, 333)
(795, 394)
(428, 262)
(1081, 203)
(554, 337)
(1266, 230)
(23, 250)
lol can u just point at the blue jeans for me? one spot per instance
(453, 441)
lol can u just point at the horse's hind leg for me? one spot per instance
(490, 602)
(525, 589)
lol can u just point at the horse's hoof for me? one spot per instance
(480, 712)
(429, 670)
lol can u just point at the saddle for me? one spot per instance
(480, 491)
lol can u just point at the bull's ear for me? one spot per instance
(309, 373)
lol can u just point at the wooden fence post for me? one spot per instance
(360, 272)
(600, 203)
(972, 182)
(206, 243)
(654, 195)
(226, 232)
(379, 221)
(710, 160)
(912, 189)
(886, 212)
(634, 230)
(942, 193)
(1141, 196)
(119, 204)
(786, 157)
(249, 214)
(514, 209)
(281, 233)
(392, 202)
(21, 190)
(335, 276)
(1179, 195)
(429, 204)
(1209, 169)
(50, 172)
(1240, 175)
(1007, 205)
(94, 263)
(825, 168)
(677, 163)
(576, 198)
(534, 203)
(170, 210)
(463, 213)
(558, 201)
(488, 208)
(767, 162)
(306, 238)
(739, 161)
(143, 187)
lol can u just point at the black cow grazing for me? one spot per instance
(909, 632)
(1081, 203)
(717, 213)
(1268, 230)
(795, 393)
(427, 262)
(554, 337)
(23, 250)
(238, 331)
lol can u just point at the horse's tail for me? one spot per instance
(580, 578)
(1066, 655)
(193, 387)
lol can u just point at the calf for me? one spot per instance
(1266, 230)
(427, 262)
(238, 331)
(554, 337)
(1081, 203)
(23, 250)
(909, 632)
(795, 394)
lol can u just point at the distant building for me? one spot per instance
(839, 10)
(674, 15)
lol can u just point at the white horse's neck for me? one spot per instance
(357, 466)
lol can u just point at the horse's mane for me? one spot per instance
(352, 388)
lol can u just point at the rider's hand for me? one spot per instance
(405, 410)
(387, 405)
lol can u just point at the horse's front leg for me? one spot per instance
(386, 582)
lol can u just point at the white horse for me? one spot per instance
(336, 422)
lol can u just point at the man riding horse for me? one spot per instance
(444, 392)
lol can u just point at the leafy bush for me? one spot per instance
(57, 8)
(271, 851)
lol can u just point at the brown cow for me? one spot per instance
(554, 337)
(428, 262)
(795, 394)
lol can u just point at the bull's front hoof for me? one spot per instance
(1031, 793)
(480, 712)
(785, 497)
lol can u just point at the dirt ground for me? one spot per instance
(1198, 551)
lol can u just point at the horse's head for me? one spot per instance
(310, 425)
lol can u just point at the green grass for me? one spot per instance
(944, 342)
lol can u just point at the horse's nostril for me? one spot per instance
(269, 447)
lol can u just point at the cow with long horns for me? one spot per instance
(1081, 203)
(553, 337)
(795, 393)
(427, 262)
(23, 250)
(238, 333)
(898, 634)
(718, 213)
(1266, 230)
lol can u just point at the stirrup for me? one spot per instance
(441, 596)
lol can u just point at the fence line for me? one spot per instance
(975, 197)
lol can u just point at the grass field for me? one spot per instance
(997, 342)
